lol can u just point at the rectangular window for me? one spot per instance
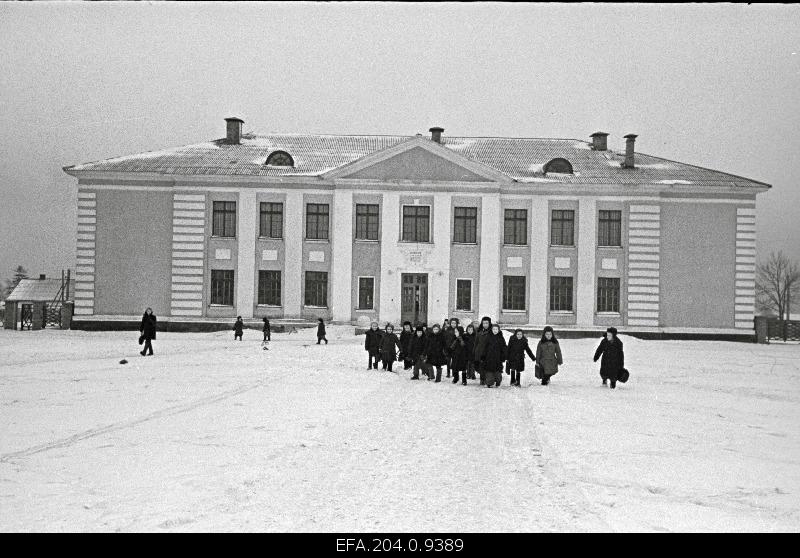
(317, 288)
(513, 292)
(317, 216)
(367, 216)
(516, 225)
(416, 223)
(222, 287)
(224, 219)
(608, 294)
(562, 227)
(465, 223)
(366, 293)
(464, 294)
(561, 294)
(609, 231)
(271, 223)
(269, 288)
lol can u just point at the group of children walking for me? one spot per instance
(465, 352)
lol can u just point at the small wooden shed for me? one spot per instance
(39, 303)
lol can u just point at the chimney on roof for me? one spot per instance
(436, 134)
(630, 139)
(599, 141)
(234, 135)
(42, 276)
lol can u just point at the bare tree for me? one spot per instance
(777, 282)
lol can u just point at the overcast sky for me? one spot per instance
(712, 85)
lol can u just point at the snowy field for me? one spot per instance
(212, 434)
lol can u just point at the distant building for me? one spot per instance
(528, 231)
(37, 303)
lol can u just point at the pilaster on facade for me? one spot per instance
(644, 260)
(744, 300)
(341, 284)
(293, 263)
(390, 283)
(188, 254)
(539, 242)
(85, 253)
(587, 239)
(246, 265)
(491, 240)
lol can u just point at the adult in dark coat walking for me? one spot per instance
(372, 344)
(458, 356)
(321, 331)
(147, 330)
(238, 329)
(266, 329)
(481, 336)
(389, 342)
(436, 350)
(406, 336)
(548, 354)
(517, 348)
(613, 357)
(494, 357)
(416, 353)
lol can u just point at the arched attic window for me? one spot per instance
(280, 159)
(558, 165)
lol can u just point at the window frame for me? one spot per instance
(279, 153)
(212, 291)
(259, 290)
(570, 293)
(225, 212)
(269, 213)
(511, 297)
(618, 295)
(306, 289)
(416, 225)
(561, 220)
(359, 234)
(515, 220)
(318, 215)
(465, 219)
(601, 221)
(471, 283)
(361, 308)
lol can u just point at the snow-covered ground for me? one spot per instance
(212, 434)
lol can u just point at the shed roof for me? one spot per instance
(37, 290)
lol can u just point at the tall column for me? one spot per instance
(188, 254)
(342, 265)
(246, 264)
(644, 261)
(489, 289)
(84, 264)
(745, 297)
(293, 255)
(537, 313)
(587, 239)
(439, 282)
(390, 271)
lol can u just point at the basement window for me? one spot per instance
(280, 159)
(558, 165)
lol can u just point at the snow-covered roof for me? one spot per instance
(521, 159)
(37, 290)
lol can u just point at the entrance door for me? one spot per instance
(414, 300)
(26, 318)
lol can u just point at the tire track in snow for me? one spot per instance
(94, 432)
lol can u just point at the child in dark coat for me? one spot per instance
(548, 354)
(388, 343)
(459, 356)
(266, 329)
(416, 353)
(494, 357)
(515, 364)
(372, 344)
(436, 350)
(613, 357)
(238, 329)
(406, 336)
(469, 346)
(321, 331)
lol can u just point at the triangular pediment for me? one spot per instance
(417, 160)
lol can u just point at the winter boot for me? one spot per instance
(613, 384)
(438, 373)
(519, 379)
(455, 377)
